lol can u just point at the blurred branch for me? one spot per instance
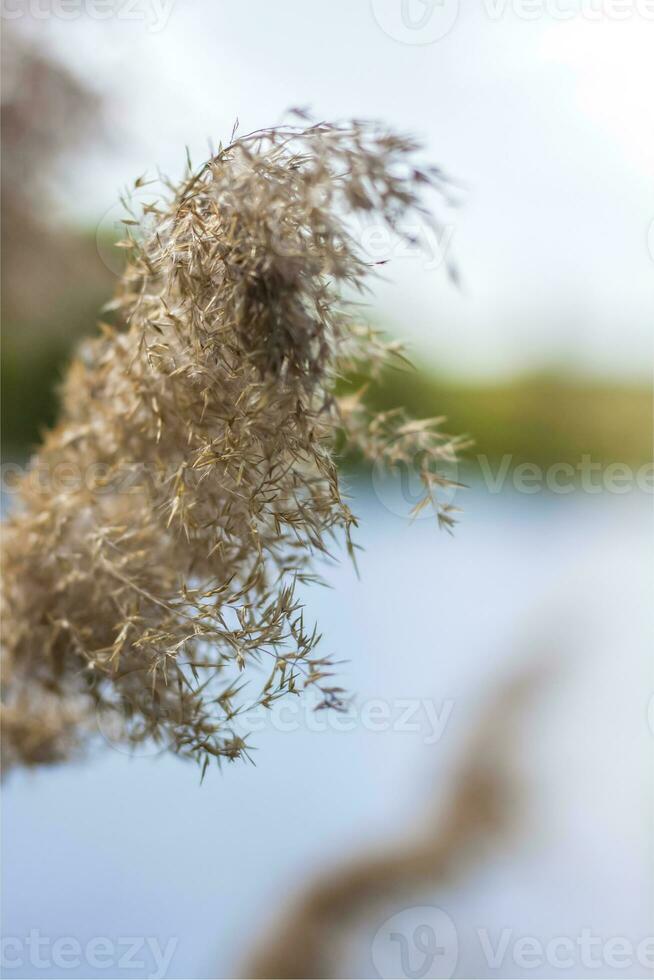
(482, 809)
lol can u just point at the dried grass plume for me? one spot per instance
(151, 568)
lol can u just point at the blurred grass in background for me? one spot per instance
(539, 418)
(40, 333)
(542, 418)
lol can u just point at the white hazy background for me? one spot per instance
(547, 120)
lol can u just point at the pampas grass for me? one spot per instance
(191, 482)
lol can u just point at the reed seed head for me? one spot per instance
(203, 427)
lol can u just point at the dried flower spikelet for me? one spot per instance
(197, 450)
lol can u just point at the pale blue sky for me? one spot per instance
(549, 122)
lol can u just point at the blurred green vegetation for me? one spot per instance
(53, 289)
(539, 418)
(29, 396)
